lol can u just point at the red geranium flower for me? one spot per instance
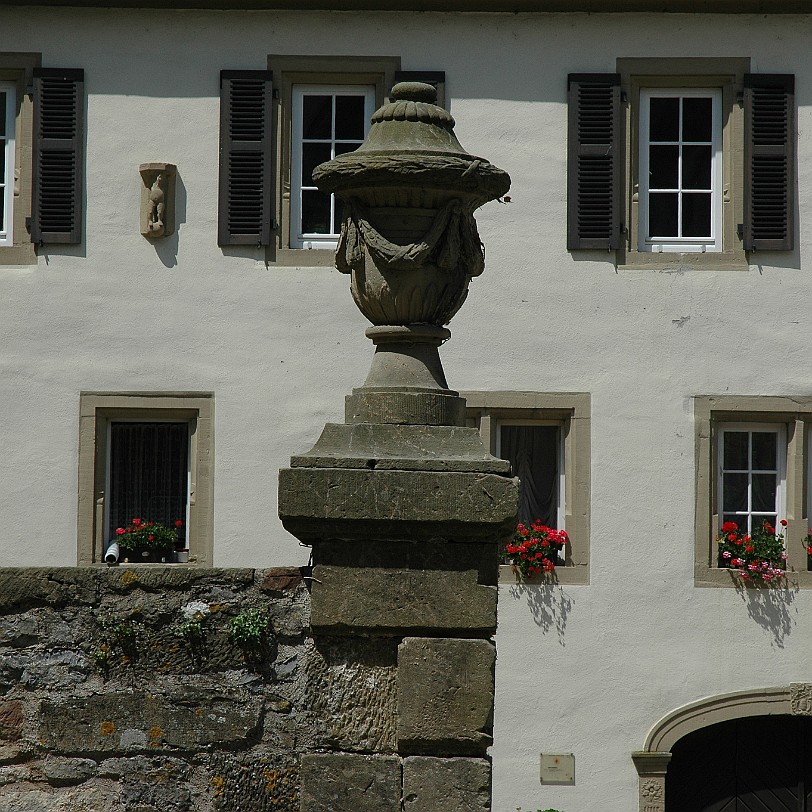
(728, 526)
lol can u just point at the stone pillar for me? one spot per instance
(403, 506)
(651, 767)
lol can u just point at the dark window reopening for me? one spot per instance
(534, 454)
(148, 475)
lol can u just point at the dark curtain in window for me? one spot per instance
(149, 473)
(533, 453)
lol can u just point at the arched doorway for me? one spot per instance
(749, 764)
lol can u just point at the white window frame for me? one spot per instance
(109, 530)
(560, 511)
(8, 111)
(299, 239)
(779, 429)
(682, 244)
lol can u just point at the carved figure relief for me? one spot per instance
(800, 698)
(157, 199)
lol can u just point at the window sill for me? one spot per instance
(571, 575)
(303, 257)
(715, 577)
(22, 254)
(682, 262)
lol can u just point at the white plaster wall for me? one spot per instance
(583, 669)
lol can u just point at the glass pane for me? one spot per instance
(757, 522)
(350, 117)
(350, 147)
(697, 119)
(664, 119)
(735, 491)
(2, 115)
(2, 210)
(696, 215)
(764, 488)
(735, 450)
(148, 474)
(765, 450)
(317, 117)
(696, 167)
(338, 216)
(533, 454)
(315, 212)
(662, 215)
(312, 156)
(662, 170)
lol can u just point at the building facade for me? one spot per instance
(173, 329)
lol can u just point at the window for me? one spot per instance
(686, 161)
(41, 151)
(327, 120)
(546, 438)
(275, 127)
(680, 170)
(147, 457)
(753, 465)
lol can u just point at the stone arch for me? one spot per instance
(652, 761)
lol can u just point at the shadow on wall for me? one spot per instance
(770, 608)
(550, 606)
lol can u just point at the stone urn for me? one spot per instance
(410, 242)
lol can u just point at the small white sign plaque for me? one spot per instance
(557, 768)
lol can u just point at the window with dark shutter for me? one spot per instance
(769, 155)
(593, 161)
(246, 159)
(58, 166)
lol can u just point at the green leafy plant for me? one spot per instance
(191, 630)
(758, 556)
(535, 549)
(147, 535)
(249, 629)
(122, 632)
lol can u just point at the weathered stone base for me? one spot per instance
(345, 782)
(446, 784)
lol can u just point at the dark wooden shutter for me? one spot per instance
(769, 161)
(246, 158)
(594, 161)
(58, 165)
(430, 77)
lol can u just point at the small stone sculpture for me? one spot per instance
(157, 199)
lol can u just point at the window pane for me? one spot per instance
(317, 115)
(350, 117)
(735, 450)
(312, 156)
(664, 119)
(697, 119)
(663, 163)
(662, 215)
(696, 167)
(2, 115)
(765, 450)
(533, 454)
(764, 488)
(315, 212)
(735, 491)
(148, 473)
(696, 215)
(351, 147)
(2, 210)
(739, 521)
(338, 216)
(757, 522)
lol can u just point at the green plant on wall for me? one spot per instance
(119, 634)
(191, 630)
(249, 629)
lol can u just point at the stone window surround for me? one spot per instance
(651, 763)
(378, 71)
(795, 413)
(19, 68)
(96, 409)
(573, 412)
(689, 72)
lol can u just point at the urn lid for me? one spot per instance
(412, 142)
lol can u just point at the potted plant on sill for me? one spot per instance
(534, 549)
(757, 557)
(144, 542)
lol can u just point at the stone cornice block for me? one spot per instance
(401, 601)
(346, 782)
(319, 503)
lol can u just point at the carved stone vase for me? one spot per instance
(410, 243)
